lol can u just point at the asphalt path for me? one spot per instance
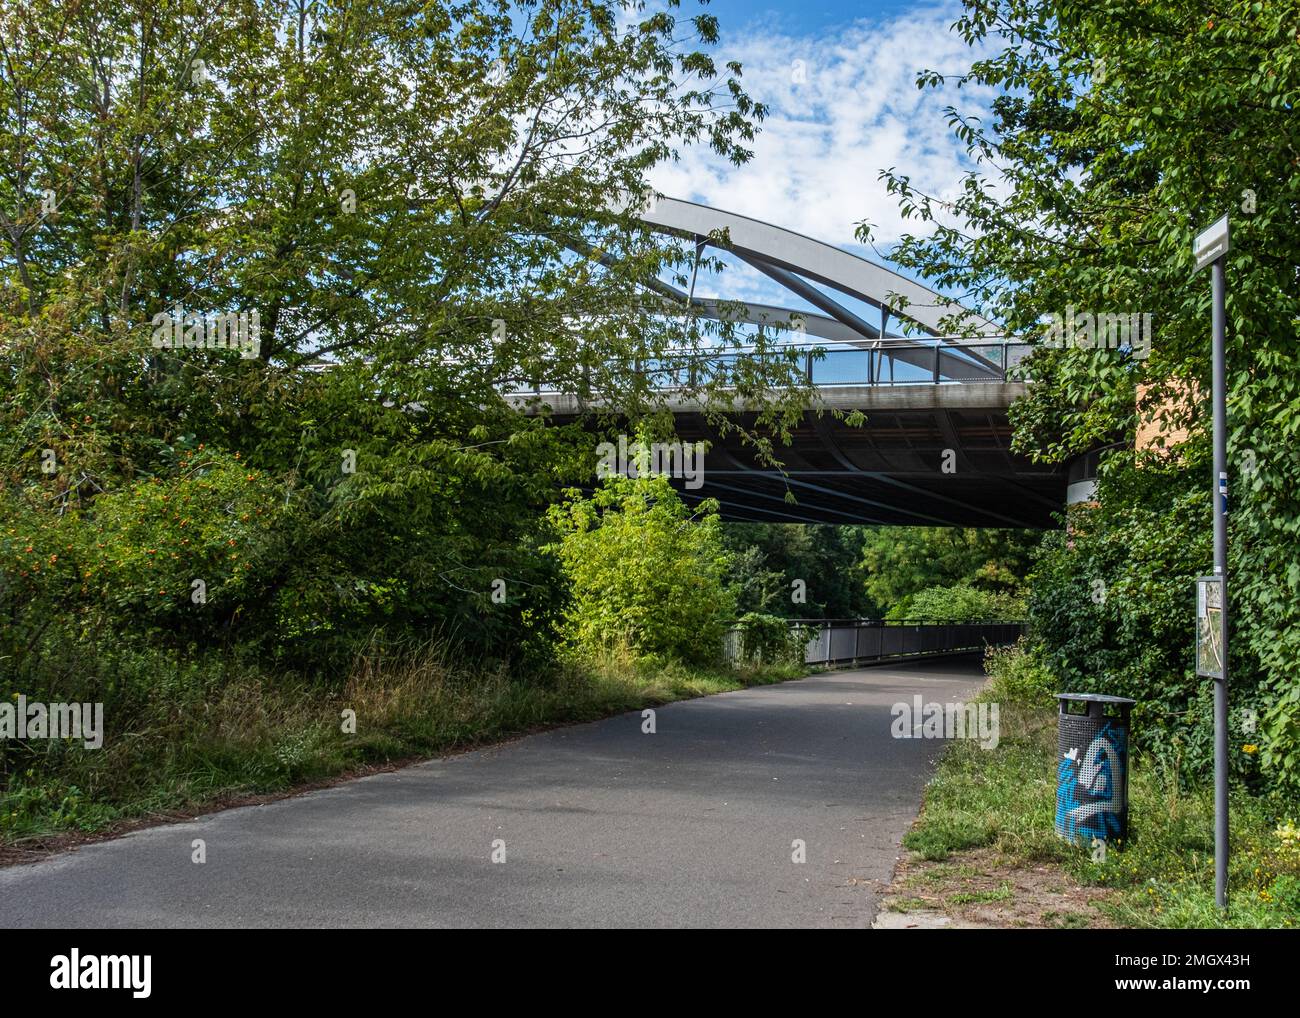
(597, 825)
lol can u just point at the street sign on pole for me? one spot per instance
(1211, 243)
(1209, 248)
(1209, 627)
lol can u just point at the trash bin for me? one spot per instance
(1092, 768)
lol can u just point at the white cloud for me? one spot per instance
(849, 110)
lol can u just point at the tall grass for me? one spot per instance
(181, 735)
(1005, 799)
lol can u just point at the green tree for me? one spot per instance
(398, 193)
(773, 564)
(958, 603)
(1118, 130)
(898, 562)
(647, 573)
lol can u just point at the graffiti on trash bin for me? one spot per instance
(1090, 793)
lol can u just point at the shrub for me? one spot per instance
(173, 558)
(1111, 606)
(770, 639)
(1018, 676)
(646, 571)
(958, 603)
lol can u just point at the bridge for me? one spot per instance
(936, 446)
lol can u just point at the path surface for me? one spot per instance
(603, 827)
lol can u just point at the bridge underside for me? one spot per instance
(925, 457)
(933, 454)
(889, 471)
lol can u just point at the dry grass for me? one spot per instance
(177, 747)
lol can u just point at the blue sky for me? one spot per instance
(804, 15)
(840, 80)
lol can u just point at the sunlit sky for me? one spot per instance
(840, 79)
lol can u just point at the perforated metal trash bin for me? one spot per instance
(1092, 768)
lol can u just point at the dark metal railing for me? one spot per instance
(852, 641)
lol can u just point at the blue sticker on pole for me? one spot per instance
(1223, 493)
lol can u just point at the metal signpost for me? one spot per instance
(1210, 247)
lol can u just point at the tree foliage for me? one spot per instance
(647, 573)
(1121, 129)
(959, 602)
(797, 570)
(900, 562)
(428, 207)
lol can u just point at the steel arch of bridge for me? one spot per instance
(796, 262)
(891, 471)
(791, 259)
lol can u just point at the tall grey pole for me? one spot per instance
(1219, 396)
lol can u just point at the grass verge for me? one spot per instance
(196, 739)
(992, 812)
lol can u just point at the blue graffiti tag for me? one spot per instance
(1090, 790)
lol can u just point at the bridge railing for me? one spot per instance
(892, 362)
(887, 362)
(850, 641)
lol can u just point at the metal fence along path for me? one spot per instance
(850, 641)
